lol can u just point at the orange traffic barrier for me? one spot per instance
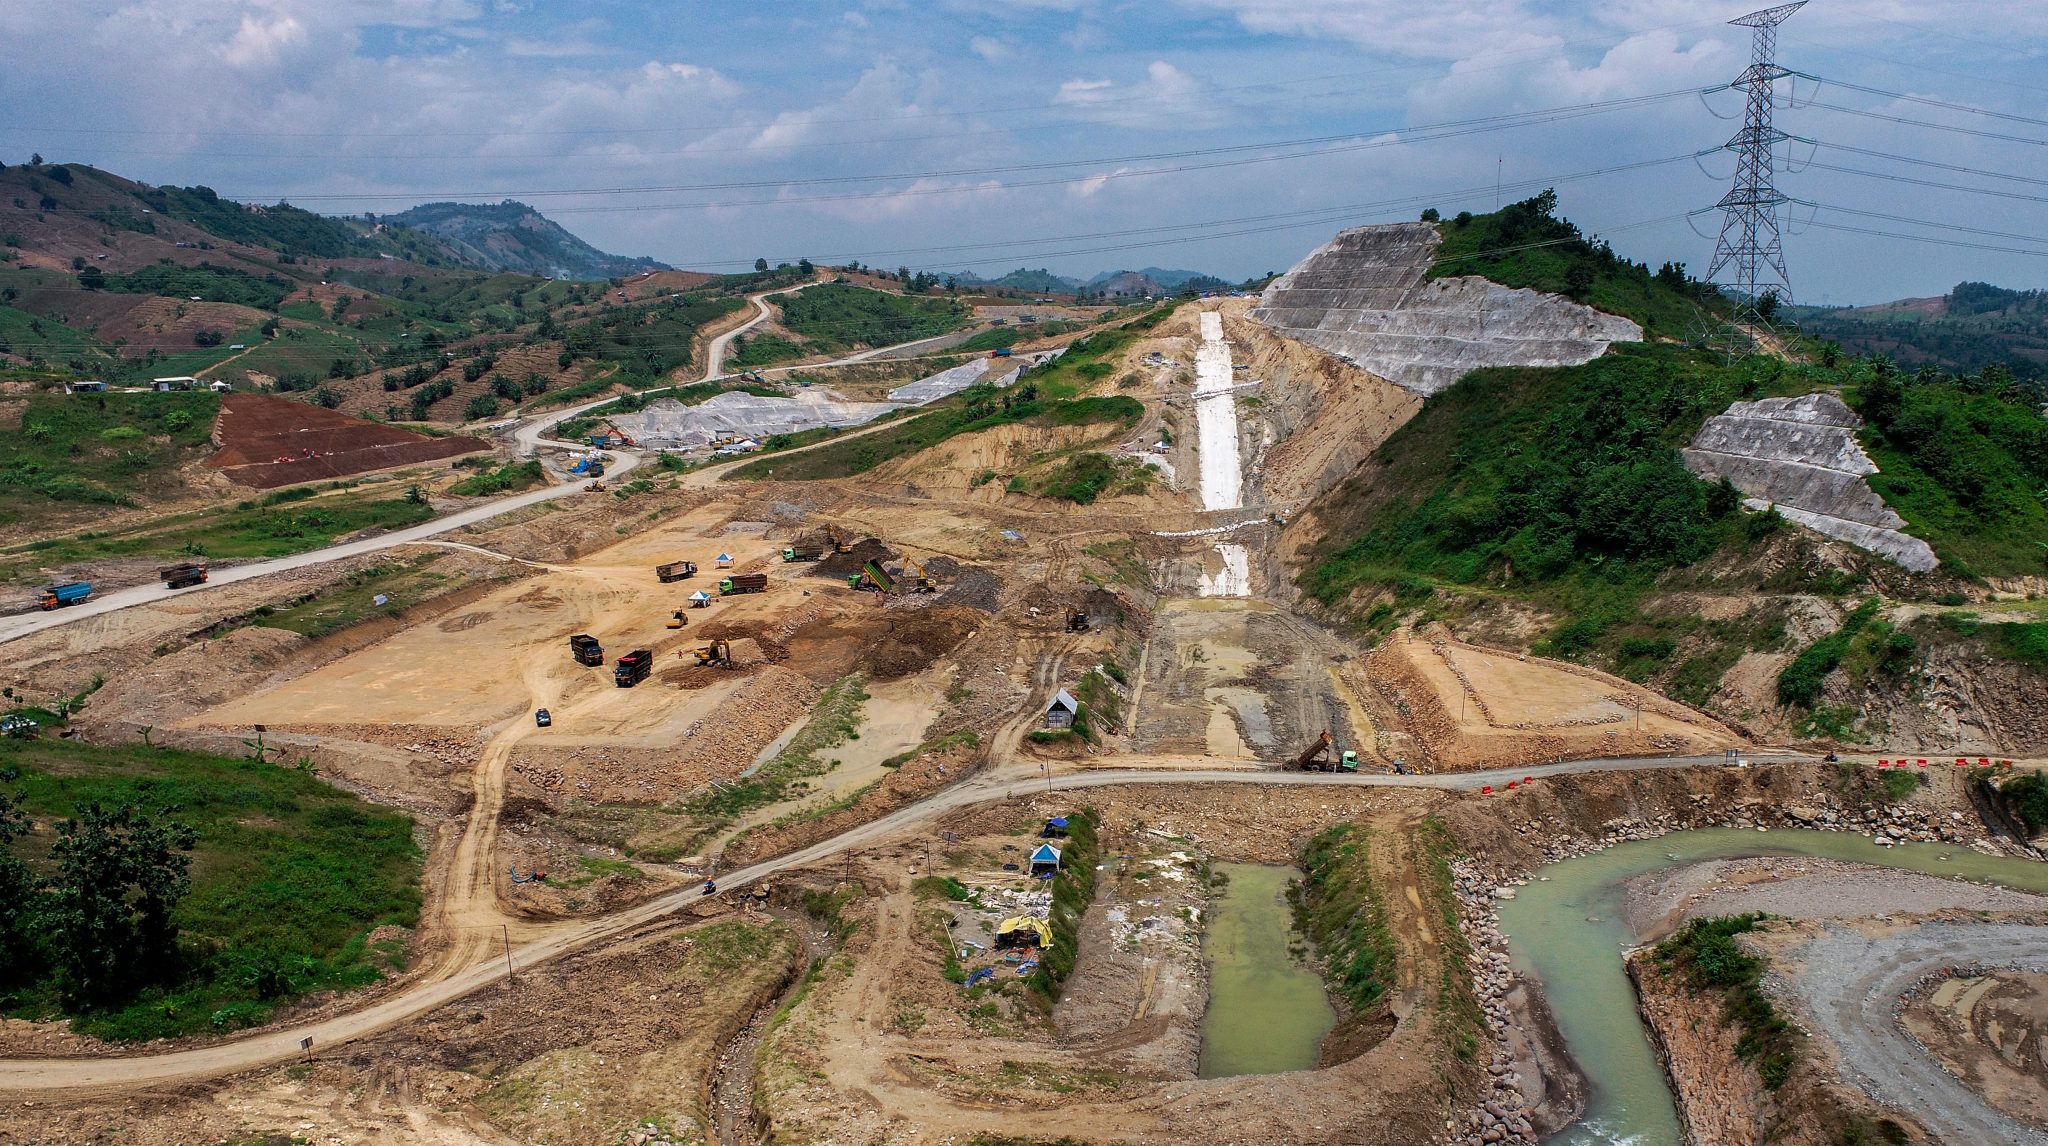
(1487, 788)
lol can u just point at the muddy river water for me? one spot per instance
(1267, 1012)
(1566, 929)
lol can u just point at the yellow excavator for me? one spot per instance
(718, 652)
(841, 543)
(920, 581)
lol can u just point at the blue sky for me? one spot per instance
(988, 135)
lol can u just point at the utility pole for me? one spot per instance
(506, 931)
(1750, 249)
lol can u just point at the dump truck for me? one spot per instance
(873, 577)
(743, 583)
(586, 649)
(1317, 757)
(675, 571)
(804, 551)
(69, 593)
(632, 668)
(718, 652)
(183, 576)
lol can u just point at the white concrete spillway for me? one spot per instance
(1216, 443)
(1216, 418)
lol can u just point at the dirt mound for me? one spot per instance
(840, 566)
(968, 585)
(916, 638)
(267, 442)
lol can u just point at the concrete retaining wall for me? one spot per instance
(1801, 455)
(1364, 297)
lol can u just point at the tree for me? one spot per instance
(120, 874)
(92, 278)
(21, 955)
(481, 406)
(36, 160)
(206, 338)
(1429, 215)
(1767, 306)
(760, 265)
(1578, 280)
(804, 265)
(327, 398)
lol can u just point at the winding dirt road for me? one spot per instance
(282, 1044)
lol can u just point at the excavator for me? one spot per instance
(841, 543)
(920, 581)
(718, 652)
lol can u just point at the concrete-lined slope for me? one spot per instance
(1800, 454)
(1364, 296)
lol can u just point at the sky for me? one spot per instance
(1227, 136)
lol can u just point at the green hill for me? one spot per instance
(512, 236)
(1973, 326)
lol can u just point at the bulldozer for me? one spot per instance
(718, 652)
(1077, 621)
(676, 620)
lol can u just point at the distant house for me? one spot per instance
(1045, 861)
(87, 387)
(1061, 712)
(182, 382)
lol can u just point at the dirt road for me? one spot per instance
(23, 1075)
(1848, 983)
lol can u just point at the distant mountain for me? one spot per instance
(1971, 327)
(1170, 279)
(1040, 281)
(1126, 284)
(511, 236)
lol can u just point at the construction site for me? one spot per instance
(915, 805)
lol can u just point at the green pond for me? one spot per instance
(1567, 932)
(1267, 1012)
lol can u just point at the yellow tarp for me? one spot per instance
(1015, 923)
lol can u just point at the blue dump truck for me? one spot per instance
(57, 596)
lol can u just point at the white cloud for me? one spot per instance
(989, 48)
(1167, 98)
(260, 42)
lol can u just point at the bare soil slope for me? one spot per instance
(267, 442)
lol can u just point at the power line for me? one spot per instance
(1894, 178)
(1958, 227)
(1929, 239)
(1930, 163)
(1425, 132)
(1950, 128)
(1944, 104)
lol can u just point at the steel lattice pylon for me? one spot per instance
(1750, 249)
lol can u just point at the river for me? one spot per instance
(1267, 1012)
(1568, 933)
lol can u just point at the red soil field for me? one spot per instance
(267, 442)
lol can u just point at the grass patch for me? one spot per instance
(1089, 475)
(1526, 245)
(1799, 683)
(508, 478)
(289, 876)
(276, 525)
(958, 737)
(100, 449)
(354, 600)
(1705, 956)
(976, 408)
(1337, 907)
(837, 316)
(834, 721)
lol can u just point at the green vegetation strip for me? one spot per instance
(287, 878)
(1337, 906)
(99, 449)
(1705, 956)
(1800, 682)
(275, 525)
(1073, 889)
(834, 721)
(508, 478)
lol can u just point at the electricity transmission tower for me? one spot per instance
(1750, 249)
